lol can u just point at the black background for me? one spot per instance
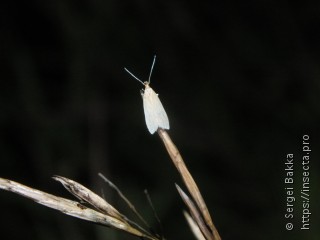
(240, 84)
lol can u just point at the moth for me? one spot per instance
(155, 115)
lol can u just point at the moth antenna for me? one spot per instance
(133, 76)
(154, 60)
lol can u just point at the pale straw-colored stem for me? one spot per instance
(188, 180)
(75, 208)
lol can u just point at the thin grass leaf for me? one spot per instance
(154, 212)
(131, 206)
(196, 215)
(193, 226)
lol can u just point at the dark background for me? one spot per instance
(240, 84)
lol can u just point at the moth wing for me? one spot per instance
(155, 115)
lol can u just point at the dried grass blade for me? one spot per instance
(193, 226)
(196, 215)
(88, 196)
(68, 207)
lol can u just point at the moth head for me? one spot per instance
(146, 84)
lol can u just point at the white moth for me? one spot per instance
(155, 115)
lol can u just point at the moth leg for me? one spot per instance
(142, 92)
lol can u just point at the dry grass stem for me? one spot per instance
(127, 201)
(74, 208)
(188, 180)
(153, 210)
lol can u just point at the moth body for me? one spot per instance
(155, 115)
